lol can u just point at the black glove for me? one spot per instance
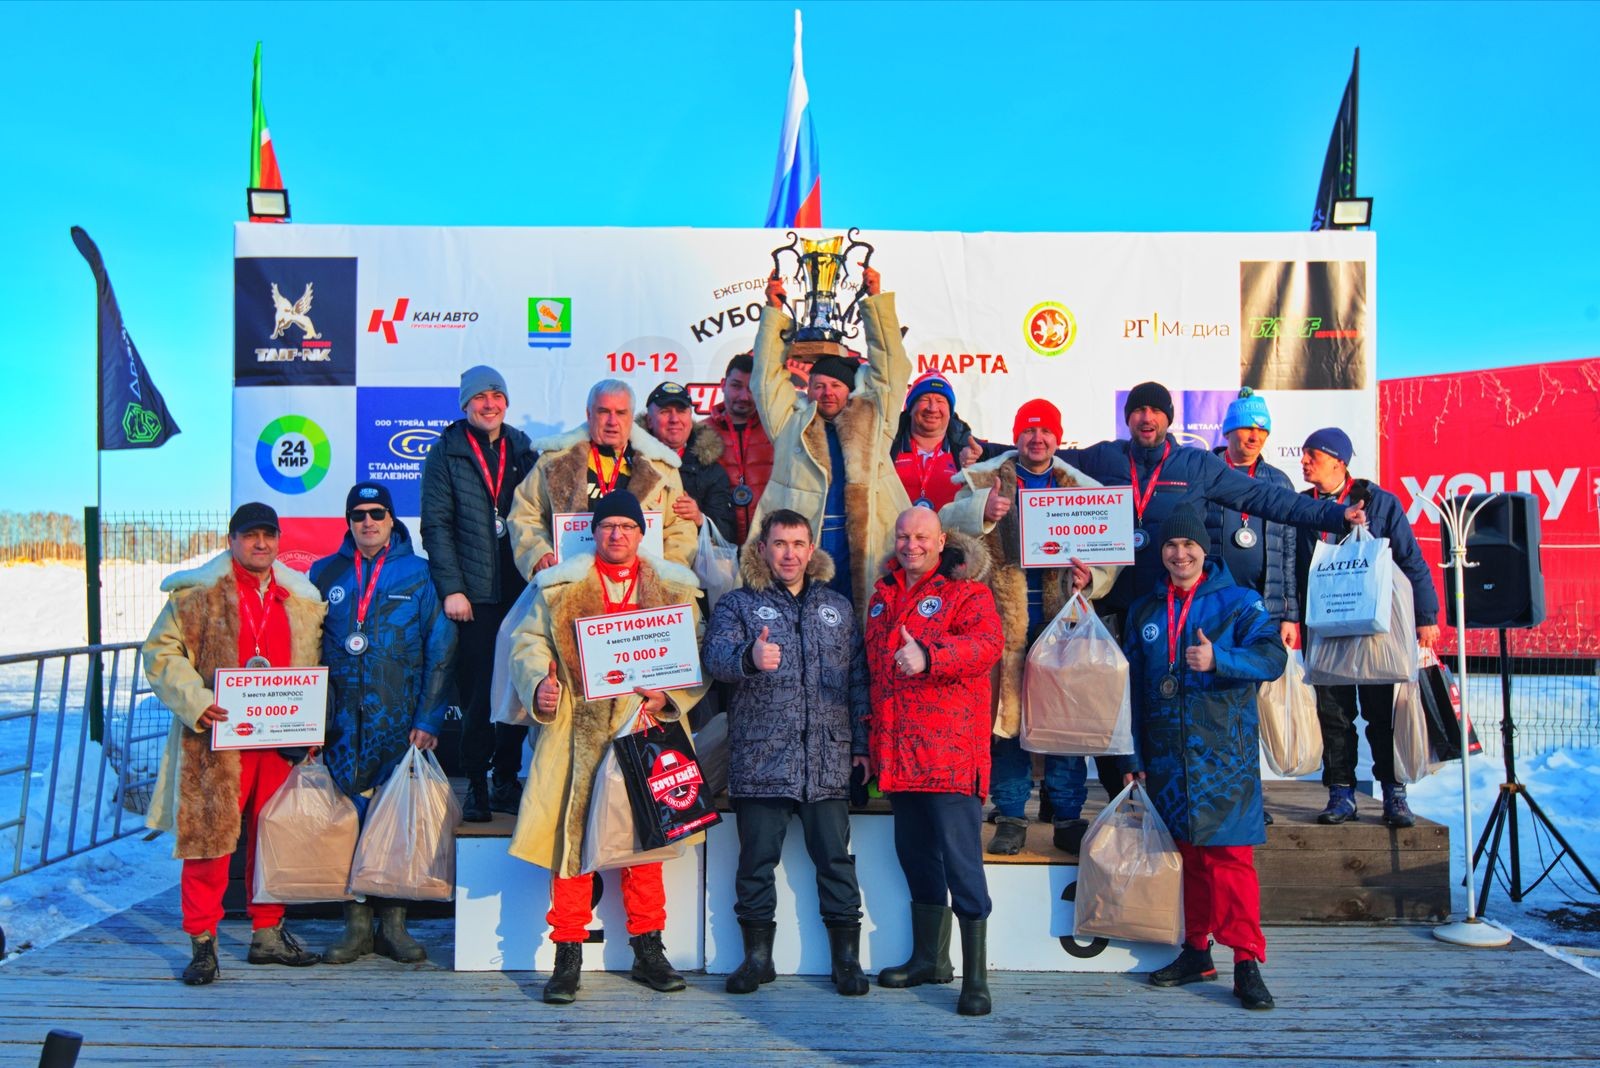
(858, 787)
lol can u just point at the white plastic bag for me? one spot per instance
(408, 847)
(1291, 736)
(305, 839)
(1372, 660)
(609, 838)
(1130, 874)
(716, 564)
(1411, 752)
(1350, 583)
(1075, 697)
(504, 704)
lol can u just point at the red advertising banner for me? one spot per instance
(1530, 429)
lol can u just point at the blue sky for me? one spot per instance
(1479, 140)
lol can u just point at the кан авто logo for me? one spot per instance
(416, 319)
(294, 321)
(549, 322)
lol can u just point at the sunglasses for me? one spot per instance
(377, 515)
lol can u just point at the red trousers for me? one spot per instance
(1222, 898)
(261, 772)
(572, 903)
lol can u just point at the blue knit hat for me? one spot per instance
(480, 379)
(932, 382)
(1333, 441)
(1249, 410)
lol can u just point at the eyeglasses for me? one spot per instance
(377, 514)
(623, 527)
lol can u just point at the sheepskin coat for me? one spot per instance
(572, 740)
(559, 482)
(197, 789)
(1007, 581)
(874, 496)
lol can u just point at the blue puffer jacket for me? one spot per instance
(1189, 476)
(791, 732)
(1386, 518)
(1272, 573)
(1201, 750)
(376, 698)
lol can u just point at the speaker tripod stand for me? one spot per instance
(1503, 816)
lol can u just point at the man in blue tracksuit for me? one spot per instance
(1323, 463)
(388, 645)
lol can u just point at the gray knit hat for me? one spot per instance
(1185, 522)
(480, 379)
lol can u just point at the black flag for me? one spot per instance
(133, 414)
(1339, 166)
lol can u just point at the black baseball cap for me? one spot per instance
(669, 393)
(253, 515)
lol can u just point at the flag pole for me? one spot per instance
(1355, 117)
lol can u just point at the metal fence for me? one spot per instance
(61, 793)
(137, 551)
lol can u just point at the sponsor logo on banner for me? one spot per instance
(1156, 328)
(983, 363)
(1553, 487)
(1303, 325)
(549, 322)
(705, 396)
(1196, 416)
(1049, 328)
(294, 321)
(292, 454)
(405, 315)
(395, 428)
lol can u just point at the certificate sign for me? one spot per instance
(271, 707)
(1095, 524)
(573, 537)
(650, 647)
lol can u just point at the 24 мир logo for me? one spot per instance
(292, 454)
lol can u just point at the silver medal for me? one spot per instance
(356, 644)
(922, 502)
(742, 495)
(1244, 538)
(499, 527)
(258, 661)
(1168, 686)
(1140, 538)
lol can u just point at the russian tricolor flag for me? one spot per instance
(797, 186)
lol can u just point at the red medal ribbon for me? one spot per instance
(599, 480)
(1244, 517)
(260, 624)
(499, 480)
(1139, 501)
(361, 587)
(1174, 632)
(1342, 495)
(617, 573)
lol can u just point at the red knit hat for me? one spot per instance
(1040, 413)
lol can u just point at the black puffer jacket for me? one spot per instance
(705, 480)
(791, 732)
(464, 556)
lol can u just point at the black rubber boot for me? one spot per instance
(1192, 966)
(650, 964)
(505, 795)
(275, 945)
(562, 989)
(1010, 834)
(930, 950)
(757, 967)
(1249, 988)
(1067, 835)
(202, 967)
(393, 940)
(357, 939)
(974, 1000)
(475, 806)
(844, 942)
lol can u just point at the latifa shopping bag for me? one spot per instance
(408, 847)
(665, 785)
(1075, 697)
(610, 839)
(1348, 590)
(1291, 737)
(1130, 874)
(1390, 657)
(305, 839)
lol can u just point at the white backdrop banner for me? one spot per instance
(349, 340)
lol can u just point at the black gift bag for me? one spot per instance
(1440, 699)
(665, 785)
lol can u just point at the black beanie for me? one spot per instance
(1185, 522)
(837, 367)
(618, 504)
(1148, 395)
(368, 493)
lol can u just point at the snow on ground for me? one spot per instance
(59, 900)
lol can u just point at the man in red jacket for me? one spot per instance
(746, 449)
(933, 635)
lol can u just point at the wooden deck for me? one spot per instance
(1346, 995)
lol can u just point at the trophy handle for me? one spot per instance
(852, 314)
(793, 248)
